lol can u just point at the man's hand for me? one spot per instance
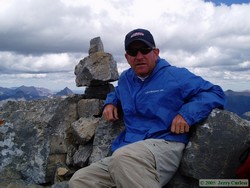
(179, 125)
(110, 113)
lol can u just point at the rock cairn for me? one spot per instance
(96, 71)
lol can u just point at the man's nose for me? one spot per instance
(139, 54)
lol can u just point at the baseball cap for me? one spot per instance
(141, 35)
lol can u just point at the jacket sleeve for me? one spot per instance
(112, 98)
(200, 97)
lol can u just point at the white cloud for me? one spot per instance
(61, 62)
(29, 76)
(40, 38)
(245, 65)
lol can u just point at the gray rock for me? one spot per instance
(96, 45)
(104, 136)
(214, 149)
(82, 155)
(63, 184)
(98, 92)
(90, 108)
(34, 137)
(59, 127)
(246, 116)
(96, 69)
(24, 142)
(84, 129)
(71, 150)
(22, 184)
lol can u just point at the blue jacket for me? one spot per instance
(149, 106)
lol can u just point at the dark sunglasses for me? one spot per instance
(134, 52)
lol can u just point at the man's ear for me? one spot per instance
(157, 51)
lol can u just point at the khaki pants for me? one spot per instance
(148, 164)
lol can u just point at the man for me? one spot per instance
(160, 103)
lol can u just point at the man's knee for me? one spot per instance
(80, 177)
(131, 155)
(121, 152)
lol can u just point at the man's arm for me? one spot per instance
(200, 98)
(197, 108)
(202, 103)
(110, 111)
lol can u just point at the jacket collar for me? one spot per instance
(160, 64)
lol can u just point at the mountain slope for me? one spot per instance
(237, 102)
(29, 93)
(66, 91)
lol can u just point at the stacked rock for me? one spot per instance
(96, 71)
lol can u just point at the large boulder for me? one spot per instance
(34, 139)
(24, 140)
(214, 149)
(105, 134)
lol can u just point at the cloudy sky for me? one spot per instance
(41, 41)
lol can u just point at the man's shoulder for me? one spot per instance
(171, 69)
(163, 64)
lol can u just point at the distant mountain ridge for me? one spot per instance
(237, 102)
(30, 93)
(66, 91)
(237, 93)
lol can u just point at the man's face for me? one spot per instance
(143, 61)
